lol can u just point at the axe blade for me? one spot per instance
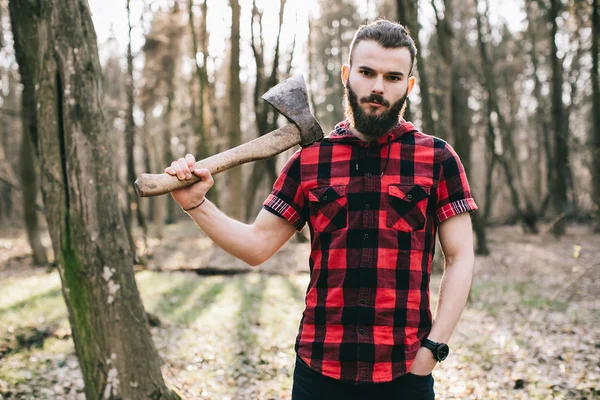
(290, 98)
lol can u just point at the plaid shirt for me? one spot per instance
(373, 212)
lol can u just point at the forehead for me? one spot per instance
(371, 54)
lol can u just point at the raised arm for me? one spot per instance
(252, 243)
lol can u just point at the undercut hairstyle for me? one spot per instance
(389, 35)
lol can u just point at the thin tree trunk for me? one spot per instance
(167, 153)
(408, 12)
(57, 42)
(559, 190)
(202, 150)
(444, 36)
(29, 183)
(133, 204)
(171, 62)
(236, 200)
(29, 174)
(542, 125)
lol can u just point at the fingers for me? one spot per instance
(205, 175)
(178, 171)
(190, 161)
(182, 167)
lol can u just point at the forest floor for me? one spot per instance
(531, 329)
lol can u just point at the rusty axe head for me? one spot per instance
(290, 98)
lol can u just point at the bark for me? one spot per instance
(596, 111)
(115, 350)
(408, 12)
(235, 201)
(559, 190)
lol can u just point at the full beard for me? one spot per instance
(371, 124)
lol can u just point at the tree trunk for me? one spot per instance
(596, 111)
(133, 204)
(170, 64)
(444, 36)
(542, 124)
(29, 183)
(235, 200)
(408, 12)
(461, 125)
(561, 160)
(116, 354)
(29, 179)
(202, 150)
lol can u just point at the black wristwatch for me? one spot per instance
(440, 350)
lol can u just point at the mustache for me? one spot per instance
(375, 98)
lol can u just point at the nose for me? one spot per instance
(378, 85)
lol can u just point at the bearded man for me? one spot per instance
(374, 193)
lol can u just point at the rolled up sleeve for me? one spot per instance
(287, 199)
(453, 191)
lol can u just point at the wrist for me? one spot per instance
(439, 350)
(193, 207)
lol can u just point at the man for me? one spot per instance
(374, 194)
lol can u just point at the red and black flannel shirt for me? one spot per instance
(373, 212)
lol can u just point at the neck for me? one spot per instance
(361, 136)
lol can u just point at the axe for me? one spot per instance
(290, 99)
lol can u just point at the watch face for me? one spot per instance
(443, 351)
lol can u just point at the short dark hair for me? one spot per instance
(390, 35)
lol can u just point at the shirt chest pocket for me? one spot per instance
(407, 207)
(328, 208)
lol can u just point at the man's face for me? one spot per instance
(377, 85)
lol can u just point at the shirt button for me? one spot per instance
(325, 197)
(362, 301)
(368, 206)
(368, 175)
(409, 196)
(366, 236)
(362, 331)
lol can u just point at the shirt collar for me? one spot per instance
(342, 133)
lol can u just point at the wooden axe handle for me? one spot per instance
(260, 148)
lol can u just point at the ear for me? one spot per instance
(345, 74)
(411, 83)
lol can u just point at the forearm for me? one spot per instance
(454, 291)
(236, 238)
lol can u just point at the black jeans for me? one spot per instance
(309, 384)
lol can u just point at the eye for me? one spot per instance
(366, 73)
(394, 78)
